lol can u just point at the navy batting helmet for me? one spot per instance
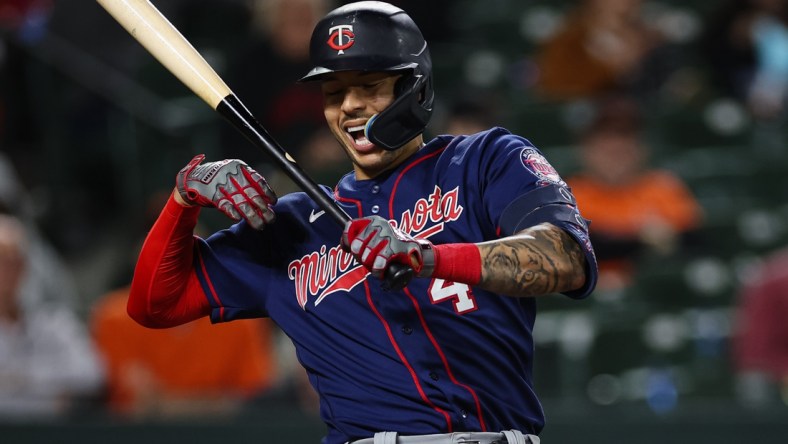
(377, 36)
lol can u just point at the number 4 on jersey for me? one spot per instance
(441, 290)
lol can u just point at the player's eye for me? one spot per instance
(331, 88)
(333, 96)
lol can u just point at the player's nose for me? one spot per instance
(352, 101)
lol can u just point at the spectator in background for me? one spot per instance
(47, 279)
(760, 339)
(603, 45)
(634, 209)
(746, 45)
(48, 364)
(193, 370)
(190, 370)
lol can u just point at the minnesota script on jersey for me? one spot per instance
(416, 360)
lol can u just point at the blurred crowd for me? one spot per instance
(91, 126)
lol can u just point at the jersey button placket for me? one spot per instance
(375, 190)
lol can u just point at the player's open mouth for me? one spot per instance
(358, 137)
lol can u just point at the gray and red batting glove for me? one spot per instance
(231, 186)
(375, 244)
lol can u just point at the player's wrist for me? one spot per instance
(179, 211)
(457, 263)
(178, 198)
(427, 259)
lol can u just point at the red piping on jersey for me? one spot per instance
(210, 286)
(355, 202)
(404, 360)
(418, 308)
(446, 361)
(402, 173)
(393, 341)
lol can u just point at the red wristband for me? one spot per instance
(458, 263)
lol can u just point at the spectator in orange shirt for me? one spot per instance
(603, 45)
(194, 369)
(633, 208)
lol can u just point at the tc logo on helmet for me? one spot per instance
(341, 37)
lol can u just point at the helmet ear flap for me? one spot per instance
(419, 85)
(403, 84)
(406, 117)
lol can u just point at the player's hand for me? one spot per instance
(231, 186)
(376, 244)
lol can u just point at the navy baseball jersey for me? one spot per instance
(437, 356)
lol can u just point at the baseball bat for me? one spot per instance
(160, 38)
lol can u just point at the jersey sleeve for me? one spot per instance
(226, 267)
(521, 189)
(240, 268)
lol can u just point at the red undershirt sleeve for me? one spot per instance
(165, 291)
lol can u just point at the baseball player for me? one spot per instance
(484, 221)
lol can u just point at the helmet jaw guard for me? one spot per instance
(406, 117)
(376, 36)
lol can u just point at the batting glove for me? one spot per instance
(376, 244)
(231, 186)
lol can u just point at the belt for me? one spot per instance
(505, 437)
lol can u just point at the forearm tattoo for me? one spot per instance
(539, 260)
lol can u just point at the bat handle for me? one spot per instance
(396, 277)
